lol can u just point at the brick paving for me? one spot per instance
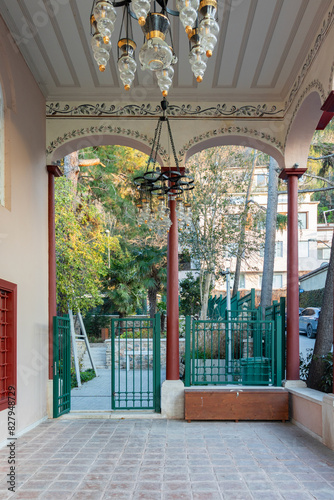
(156, 459)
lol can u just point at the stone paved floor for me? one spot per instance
(132, 459)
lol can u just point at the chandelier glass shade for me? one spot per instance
(159, 185)
(199, 20)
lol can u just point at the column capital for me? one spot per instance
(54, 170)
(290, 172)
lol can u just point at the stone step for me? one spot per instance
(98, 352)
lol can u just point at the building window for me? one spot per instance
(303, 249)
(261, 180)
(279, 249)
(7, 341)
(324, 253)
(282, 198)
(277, 280)
(302, 220)
(242, 281)
(2, 151)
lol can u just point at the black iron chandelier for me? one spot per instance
(160, 184)
(157, 55)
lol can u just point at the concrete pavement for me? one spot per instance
(156, 459)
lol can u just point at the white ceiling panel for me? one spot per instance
(261, 48)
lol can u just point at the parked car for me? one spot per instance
(308, 321)
(286, 320)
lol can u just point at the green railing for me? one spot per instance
(61, 366)
(243, 351)
(217, 305)
(135, 362)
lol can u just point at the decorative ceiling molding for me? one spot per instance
(102, 130)
(242, 131)
(314, 85)
(326, 25)
(146, 110)
(331, 76)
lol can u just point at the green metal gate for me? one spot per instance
(241, 350)
(135, 363)
(61, 366)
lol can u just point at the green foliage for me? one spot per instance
(311, 298)
(305, 363)
(282, 222)
(327, 378)
(326, 382)
(93, 324)
(84, 376)
(124, 289)
(137, 334)
(141, 262)
(322, 147)
(190, 298)
(80, 248)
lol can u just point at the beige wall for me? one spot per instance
(23, 229)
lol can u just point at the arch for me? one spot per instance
(99, 136)
(301, 130)
(258, 140)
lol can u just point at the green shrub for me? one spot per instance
(326, 383)
(93, 324)
(311, 298)
(84, 376)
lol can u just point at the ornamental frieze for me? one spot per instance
(233, 130)
(103, 129)
(147, 110)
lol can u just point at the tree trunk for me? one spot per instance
(71, 168)
(152, 299)
(324, 339)
(269, 248)
(205, 291)
(241, 244)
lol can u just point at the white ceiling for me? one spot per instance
(261, 48)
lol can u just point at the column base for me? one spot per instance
(294, 383)
(49, 398)
(172, 399)
(328, 421)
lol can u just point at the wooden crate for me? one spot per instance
(236, 404)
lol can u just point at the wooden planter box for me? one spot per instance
(236, 404)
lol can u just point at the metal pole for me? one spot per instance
(53, 171)
(172, 361)
(292, 363)
(229, 329)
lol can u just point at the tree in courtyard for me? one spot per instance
(80, 248)
(221, 179)
(110, 184)
(270, 235)
(324, 339)
(190, 299)
(152, 263)
(123, 288)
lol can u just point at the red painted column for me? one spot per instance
(53, 171)
(172, 362)
(292, 363)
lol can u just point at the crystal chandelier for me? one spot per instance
(157, 55)
(159, 185)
